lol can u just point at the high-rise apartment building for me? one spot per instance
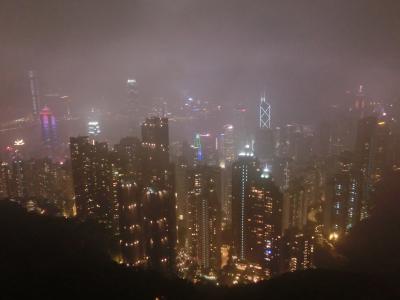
(204, 218)
(244, 172)
(159, 216)
(93, 184)
(265, 223)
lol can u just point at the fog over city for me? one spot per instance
(304, 54)
(198, 149)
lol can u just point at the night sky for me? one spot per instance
(305, 54)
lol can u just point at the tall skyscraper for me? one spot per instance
(34, 87)
(49, 130)
(17, 183)
(242, 136)
(244, 172)
(204, 218)
(265, 223)
(126, 162)
(135, 109)
(159, 198)
(206, 147)
(93, 125)
(15, 170)
(130, 190)
(94, 128)
(282, 172)
(5, 180)
(297, 204)
(228, 144)
(361, 105)
(265, 113)
(197, 149)
(132, 90)
(226, 197)
(130, 222)
(155, 143)
(128, 157)
(374, 154)
(93, 181)
(343, 204)
(182, 186)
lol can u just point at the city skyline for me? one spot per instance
(200, 149)
(301, 57)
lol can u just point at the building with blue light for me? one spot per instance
(48, 126)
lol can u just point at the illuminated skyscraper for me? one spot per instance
(159, 230)
(182, 186)
(93, 125)
(45, 179)
(362, 105)
(344, 204)
(204, 218)
(128, 157)
(34, 86)
(302, 201)
(155, 143)
(135, 109)
(265, 223)
(40, 174)
(244, 172)
(93, 184)
(17, 188)
(132, 90)
(205, 149)
(93, 128)
(265, 113)
(159, 197)
(198, 149)
(228, 145)
(226, 197)
(49, 128)
(131, 192)
(128, 193)
(130, 222)
(14, 171)
(5, 179)
(282, 172)
(242, 136)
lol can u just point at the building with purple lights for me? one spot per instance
(48, 126)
